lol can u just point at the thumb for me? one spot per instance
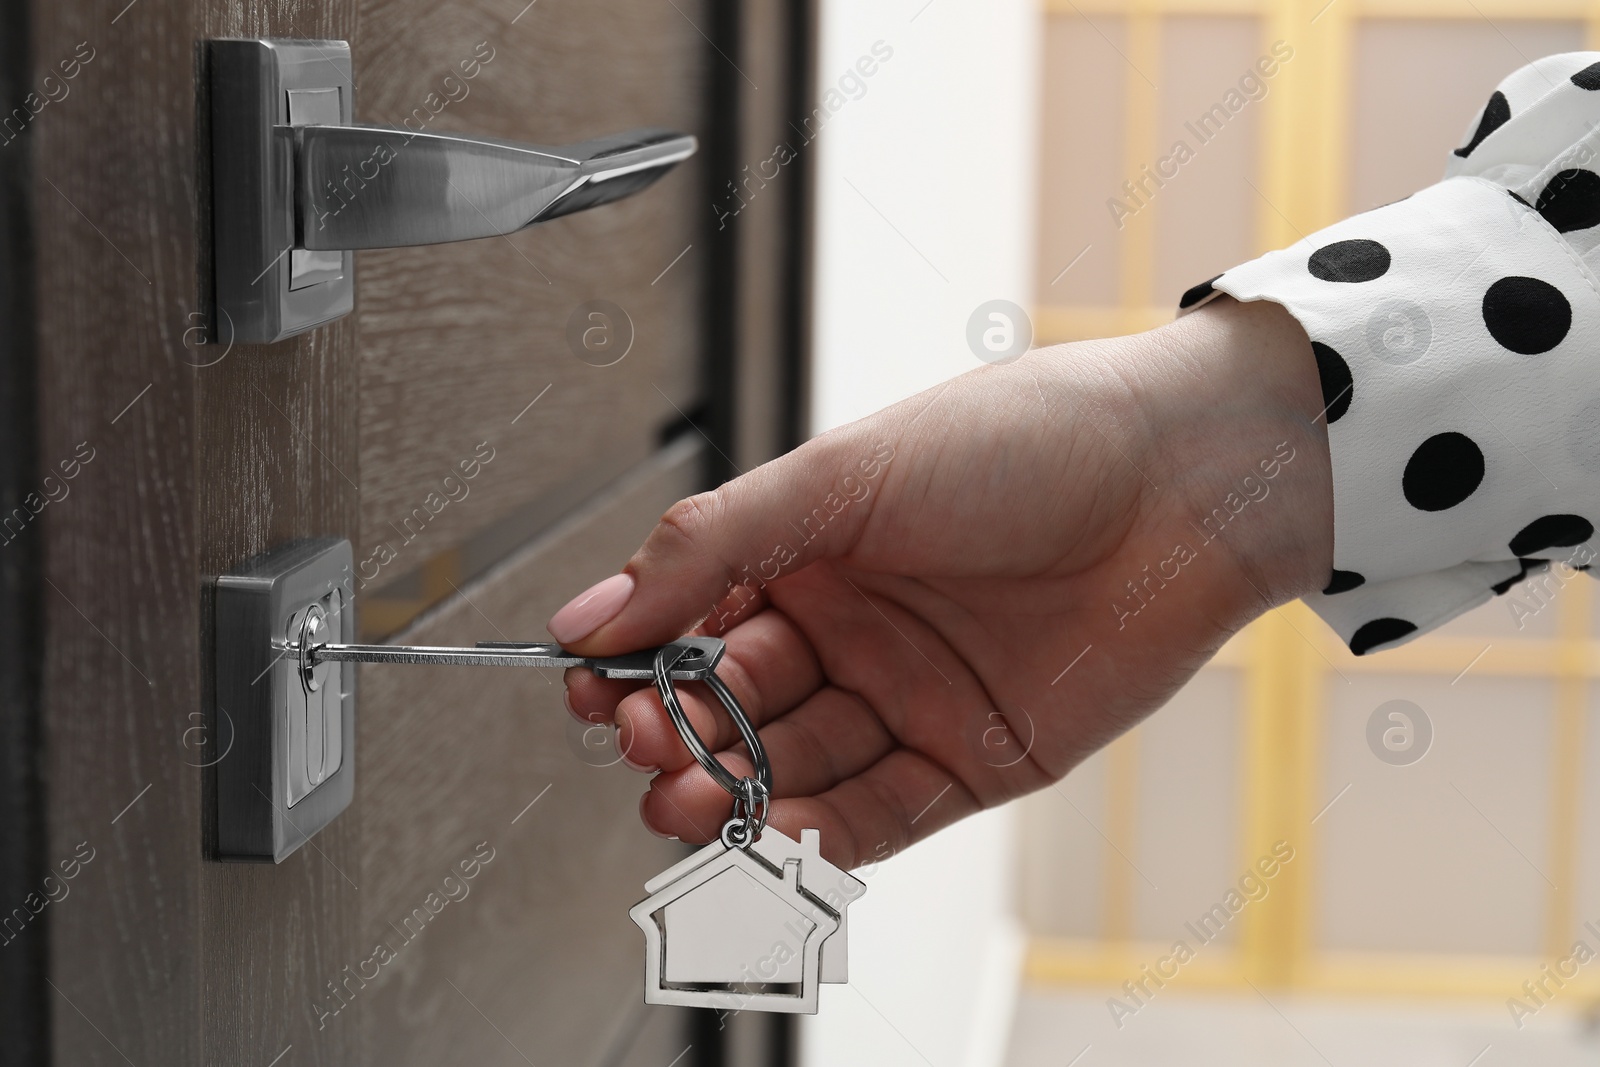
(801, 507)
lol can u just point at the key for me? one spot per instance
(689, 659)
(753, 921)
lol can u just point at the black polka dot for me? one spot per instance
(1336, 380)
(1379, 632)
(1358, 260)
(1496, 113)
(1193, 296)
(1343, 582)
(1443, 471)
(1588, 78)
(1525, 567)
(1571, 200)
(1551, 531)
(1518, 198)
(1526, 315)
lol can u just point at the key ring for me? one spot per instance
(751, 796)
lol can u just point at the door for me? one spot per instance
(470, 906)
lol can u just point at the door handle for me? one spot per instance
(386, 187)
(297, 184)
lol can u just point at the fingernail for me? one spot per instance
(591, 609)
(646, 820)
(566, 701)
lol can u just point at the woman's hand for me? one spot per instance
(954, 601)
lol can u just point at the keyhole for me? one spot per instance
(310, 634)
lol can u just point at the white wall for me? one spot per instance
(939, 147)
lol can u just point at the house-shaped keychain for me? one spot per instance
(752, 928)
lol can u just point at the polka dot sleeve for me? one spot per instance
(1457, 337)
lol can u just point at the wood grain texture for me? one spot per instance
(157, 956)
(537, 958)
(276, 443)
(115, 269)
(456, 340)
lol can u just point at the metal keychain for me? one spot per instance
(753, 921)
(756, 920)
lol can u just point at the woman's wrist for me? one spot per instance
(1236, 404)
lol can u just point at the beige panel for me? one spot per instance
(1527, 610)
(1205, 212)
(1064, 855)
(1083, 115)
(1417, 86)
(541, 944)
(1587, 894)
(1444, 855)
(1188, 816)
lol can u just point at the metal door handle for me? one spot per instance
(297, 184)
(385, 187)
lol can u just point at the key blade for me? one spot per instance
(498, 655)
(536, 648)
(691, 658)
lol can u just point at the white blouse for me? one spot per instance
(1457, 337)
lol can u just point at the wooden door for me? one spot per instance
(187, 456)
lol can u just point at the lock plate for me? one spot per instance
(267, 287)
(291, 768)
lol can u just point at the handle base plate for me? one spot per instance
(267, 288)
